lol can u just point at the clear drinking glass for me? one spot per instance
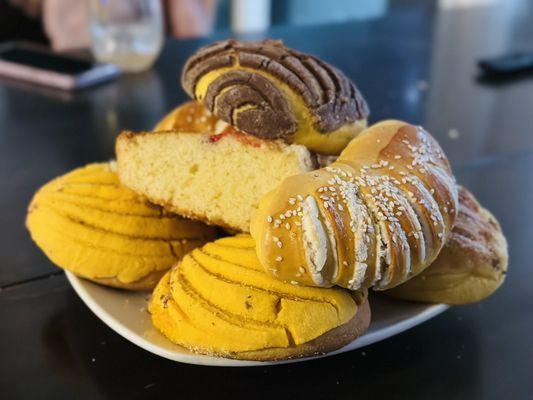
(128, 33)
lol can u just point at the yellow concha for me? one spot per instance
(218, 300)
(88, 223)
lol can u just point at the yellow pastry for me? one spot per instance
(376, 217)
(273, 92)
(470, 267)
(219, 301)
(88, 223)
(190, 117)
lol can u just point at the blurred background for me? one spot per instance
(65, 24)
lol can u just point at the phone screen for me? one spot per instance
(47, 61)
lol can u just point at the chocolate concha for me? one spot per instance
(273, 92)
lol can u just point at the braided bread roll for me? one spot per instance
(273, 92)
(377, 216)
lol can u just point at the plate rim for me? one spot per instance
(78, 283)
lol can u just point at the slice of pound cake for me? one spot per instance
(218, 179)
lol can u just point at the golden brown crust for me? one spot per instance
(472, 264)
(375, 217)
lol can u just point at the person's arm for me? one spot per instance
(190, 18)
(66, 24)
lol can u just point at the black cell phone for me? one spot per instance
(507, 65)
(40, 65)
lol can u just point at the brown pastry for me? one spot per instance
(273, 92)
(470, 267)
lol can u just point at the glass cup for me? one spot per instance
(128, 33)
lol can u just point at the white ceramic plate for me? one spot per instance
(126, 313)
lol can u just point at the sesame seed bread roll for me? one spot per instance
(273, 92)
(88, 223)
(377, 216)
(219, 301)
(470, 267)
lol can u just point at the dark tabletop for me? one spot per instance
(413, 64)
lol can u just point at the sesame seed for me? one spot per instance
(269, 219)
(294, 283)
(397, 157)
(302, 270)
(279, 258)
(279, 244)
(288, 226)
(292, 200)
(300, 198)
